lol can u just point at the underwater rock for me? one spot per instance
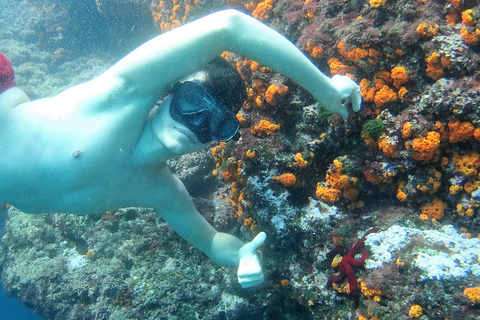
(195, 171)
(439, 254)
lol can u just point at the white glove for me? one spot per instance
(249, 270)
(349, 94)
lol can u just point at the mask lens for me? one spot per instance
(223, 128)
(195, 108)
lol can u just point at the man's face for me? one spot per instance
(176, 137)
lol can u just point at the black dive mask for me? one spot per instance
(193, 106)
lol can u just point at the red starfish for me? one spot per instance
(345, 266)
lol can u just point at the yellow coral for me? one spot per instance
(402, 92)
(454, 189)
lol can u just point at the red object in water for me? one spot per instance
(349, 262)
(6, 74)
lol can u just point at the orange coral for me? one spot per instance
(265, 128)
(407, 130)
(402, 92)
(248, 222)
(357, 54)
(263, 9)
(466, 210)
(274, 93)
(388, 146)
(476, 134)
(310, 14)
(328, 194)
(287, 179)
(427, 30)
(384, 95)
(315, 51)
(366, 91)
(471, 185)
(473, 294)
(377, 3)
(436, 65)
(399, 76)
(468, 17)
(434, 210)
(250, 154)
(400, 194)
(368, 292)
(300, 161)
(460, 131)
(415, 311)
(337, 67)
(424, 148)
(335, 178)
(433, 183)
(338, 184)
(469, 35)
(467, 164)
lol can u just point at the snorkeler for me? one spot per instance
(103, 144)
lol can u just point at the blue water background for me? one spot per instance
(10, 308)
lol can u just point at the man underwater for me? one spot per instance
(103, 145)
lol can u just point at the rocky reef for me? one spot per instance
(408, 163)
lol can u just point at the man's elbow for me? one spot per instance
(233, 19)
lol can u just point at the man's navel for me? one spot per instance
(76, 154)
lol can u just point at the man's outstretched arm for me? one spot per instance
(175, 54)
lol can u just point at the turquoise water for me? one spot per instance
(12, 309)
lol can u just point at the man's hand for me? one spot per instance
(249, 270)
(349, 93)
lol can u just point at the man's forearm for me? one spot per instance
(224, 249)
(177, 53)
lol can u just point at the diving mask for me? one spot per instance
(193, 106)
